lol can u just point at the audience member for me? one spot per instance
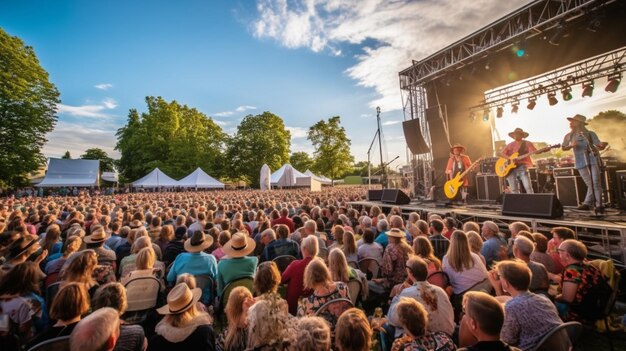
(98, 331)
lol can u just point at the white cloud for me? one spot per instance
(93, 111)
(403, 30)
(241, 108)
(103, 86)
(298, 132)
(366, 115)
(76, 138)
(221, 123)
(390, 123)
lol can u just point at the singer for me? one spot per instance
(586, 145)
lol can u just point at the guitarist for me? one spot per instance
(458, 163)
(521, 171)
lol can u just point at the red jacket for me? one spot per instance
(293, 276)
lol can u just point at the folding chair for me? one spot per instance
(332, 309)
(206, 283)
(61, 343)
(142, 295)
(283, 261)
(370, 266)
(561, 338)
(439, 278)
(354, 288)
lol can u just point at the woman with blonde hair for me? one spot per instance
(349, 247)
(183, 327)
(476, 244)
(337, 233)
(80, 270)
(312, 334)
(413, 319)
(165, 236)
(52, 241)
(144, 267)
(317, 278)
(464, 268)
(424, 249)
(70, 246)
(129, 263)
(235, 336)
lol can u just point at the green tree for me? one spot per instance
(106, 163)
(332, 148)
(28, 103)
(67, 155)
(259, 139)
(171, 136)
(301, 161)
(611, 127)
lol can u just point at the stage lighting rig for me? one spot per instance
(532, 102)
(567, 93)
(499, 112)
(486, 115)
(588, 89)
(552, 99)
(515, 107)
(614, 81)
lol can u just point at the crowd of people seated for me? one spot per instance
(280, 270)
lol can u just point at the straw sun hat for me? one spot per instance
(180, 299)
(239, 245)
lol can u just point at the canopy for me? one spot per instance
(69, 172)
(264, 177)
(287, 176)
(199, 179)
(155, 179)
(320, 179)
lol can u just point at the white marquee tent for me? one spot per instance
(287, 176)
(321, 179)
(155, 179)
(199, 179)
(68, 172)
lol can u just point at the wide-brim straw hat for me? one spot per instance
(518, 131)
(578, 118)
(457, 146)
(198, 242)
(97, 236)
(395, 233)
(239, 245)
(180, 299)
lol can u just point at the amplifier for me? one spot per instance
(570, 190)
(565, 172)
(488, 187)
(488, 165)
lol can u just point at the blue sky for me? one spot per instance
(302, 60)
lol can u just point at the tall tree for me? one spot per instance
(301, 161)
(611, 127)
(171, 136)
(106, 163)
(259, 139)
(332, 148)
(28, 103)
(67, 155)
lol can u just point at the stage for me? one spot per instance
(604, 236)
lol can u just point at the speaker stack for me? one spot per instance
(570, 187)
(395, 196)
(532, 205)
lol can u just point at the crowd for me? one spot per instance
(279, 270)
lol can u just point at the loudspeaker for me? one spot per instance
(436, 117)
(395, 196)
(532, 205)
(570, 190)
(374, 195)
(488, 187)
(621, 189)
(414, 138)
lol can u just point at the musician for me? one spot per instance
(586, 145)
(458, 163)
(521, 170)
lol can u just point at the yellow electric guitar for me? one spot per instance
(505, 165)
(452, 186)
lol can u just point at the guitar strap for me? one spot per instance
(523, 148)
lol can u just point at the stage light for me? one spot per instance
(515, 107)
(552, 99)
(486, 115)
(588, 89)
(472, 116)
(613, 83)
(488, 66)
(532, 102)
(567, 93)
(499, 112)
(520, 49)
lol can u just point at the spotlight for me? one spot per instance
(567, 93)
(472, 116)
(613, 83)
(588, 89)
(499, 112)
(486, 115)
(488, 66)
(532, 102)
(515, 107)
(552, 99)
(520, 49)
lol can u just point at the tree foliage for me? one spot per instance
(173, 137)
(106, 163)
(332, 148)
(67, 155)
(611, 127)
(27, 110)
(301, 161)
(259, 139)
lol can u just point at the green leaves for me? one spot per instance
(332, 148)
(27, 110)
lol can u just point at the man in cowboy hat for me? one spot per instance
(521, 171)
(586, 145)
(195, 261)
(96, 241)
(236, 263)
(458, 163)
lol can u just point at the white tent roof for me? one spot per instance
(287, 176)
(155, 179)
(199, 179)
(264, 177)
(68, 172)
(321, 179)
